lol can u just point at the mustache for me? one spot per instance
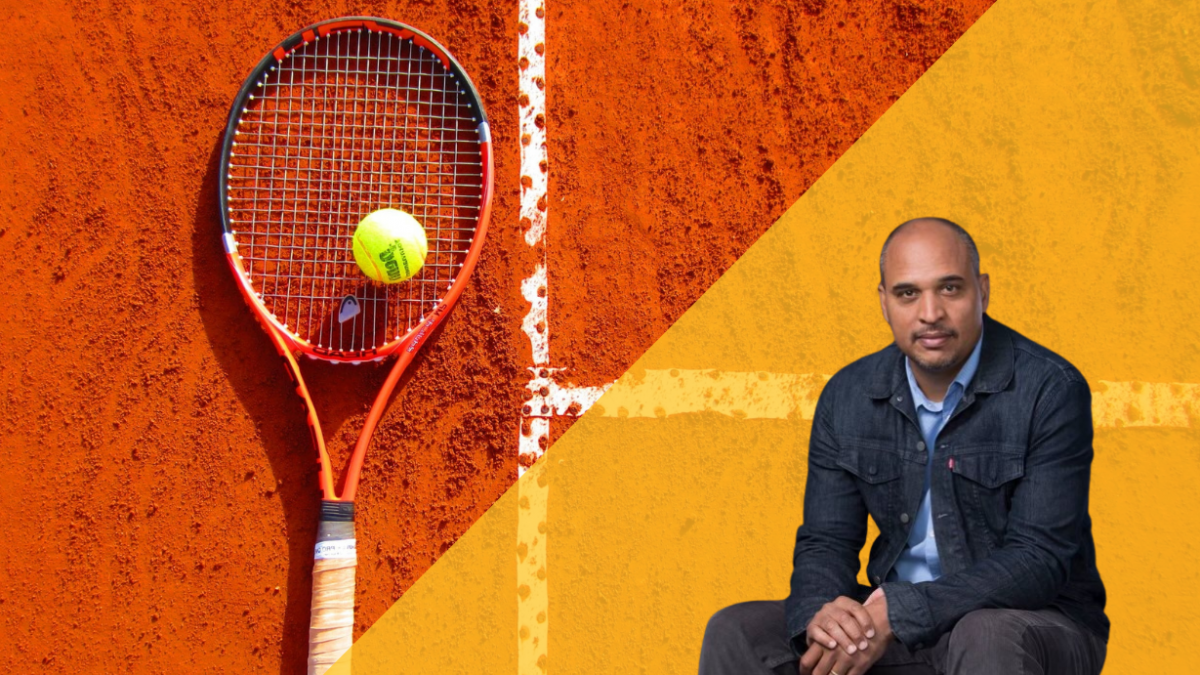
(935, 331)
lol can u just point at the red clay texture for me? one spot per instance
(160, 495)
(681, 130)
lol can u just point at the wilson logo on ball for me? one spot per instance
(392, 267)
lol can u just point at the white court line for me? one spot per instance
(547, 397)
(535, 181)
(534, 433)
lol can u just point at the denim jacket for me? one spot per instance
(1009, 493)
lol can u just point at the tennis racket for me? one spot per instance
(343, 118)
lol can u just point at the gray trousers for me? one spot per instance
(751, 638)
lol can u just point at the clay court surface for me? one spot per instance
(160, 498)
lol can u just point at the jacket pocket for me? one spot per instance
(990, 470)
(877, 473)
(869, 465)
(984, 485)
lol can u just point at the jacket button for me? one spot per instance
(904, 517)
(878, 580)
(872, 470)
(899, 399)
(920, 445)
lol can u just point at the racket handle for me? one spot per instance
(331, 623)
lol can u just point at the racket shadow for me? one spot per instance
(342, 394)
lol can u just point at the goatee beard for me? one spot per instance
(935, 366)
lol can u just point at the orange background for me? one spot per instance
(160, 492)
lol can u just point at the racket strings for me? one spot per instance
(343, 126)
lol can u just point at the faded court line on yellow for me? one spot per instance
(782, 396)
(763, 395)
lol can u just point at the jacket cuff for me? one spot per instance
(909, 614)
(797, 624)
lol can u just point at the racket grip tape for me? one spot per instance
(331, 622)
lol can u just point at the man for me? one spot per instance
(970, 446)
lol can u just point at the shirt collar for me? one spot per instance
(997, 362)
(954, 391)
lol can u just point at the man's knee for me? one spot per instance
(745, 637)
(986, 636)
(983, 623)
(727, 626)
(1025, 641)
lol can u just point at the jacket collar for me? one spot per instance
(995, 365)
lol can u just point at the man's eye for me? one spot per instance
(951, 288)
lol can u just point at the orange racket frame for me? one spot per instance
(327, 641)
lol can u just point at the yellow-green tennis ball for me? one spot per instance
(390, 246)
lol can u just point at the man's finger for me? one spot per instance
(844, 664)
(825, 665)
(820, 637)
(858, 625)
(858, 667)
(835, 626)
(863, 617)
(860, 614)
(809, 659)
(850, 664)
(875, 596)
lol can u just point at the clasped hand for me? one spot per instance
(847, 638)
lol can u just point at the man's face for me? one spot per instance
(931, 298)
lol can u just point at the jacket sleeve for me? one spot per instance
(825, 563)
(1045, 523)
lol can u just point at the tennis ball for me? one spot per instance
(390, 246)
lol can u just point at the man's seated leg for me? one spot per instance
(995, 641)
(748, 638)
(751, 638)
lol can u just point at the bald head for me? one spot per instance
(934, 299)
(916, 225)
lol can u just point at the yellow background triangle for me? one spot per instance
(1066, 138)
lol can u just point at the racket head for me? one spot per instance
(342, 118)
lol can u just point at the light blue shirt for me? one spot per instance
(919, 561)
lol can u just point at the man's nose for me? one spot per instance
(931, 310)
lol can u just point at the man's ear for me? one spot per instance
(985, 290)
(883, 303)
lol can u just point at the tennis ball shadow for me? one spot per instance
(342, 395)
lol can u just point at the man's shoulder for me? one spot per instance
(1034, 360)
(867, 375)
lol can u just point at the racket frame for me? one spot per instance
(291, 346)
